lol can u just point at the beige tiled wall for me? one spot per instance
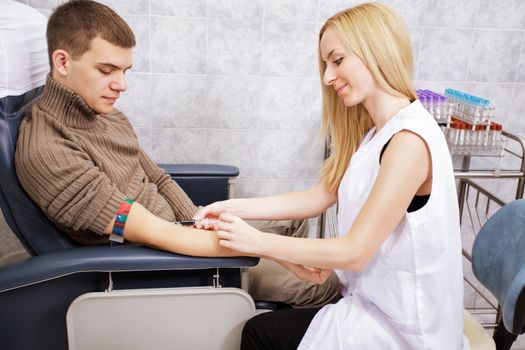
(236, 82)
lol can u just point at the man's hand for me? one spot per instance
(307, 273)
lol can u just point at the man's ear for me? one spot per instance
(61, 61)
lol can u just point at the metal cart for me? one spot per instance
(484, 185)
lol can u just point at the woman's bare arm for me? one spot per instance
(287, 206)
(405, 168)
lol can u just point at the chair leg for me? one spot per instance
(503, 338)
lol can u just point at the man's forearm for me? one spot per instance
(144, 228)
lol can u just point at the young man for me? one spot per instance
(80, 161)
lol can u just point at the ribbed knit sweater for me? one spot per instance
(79, 166)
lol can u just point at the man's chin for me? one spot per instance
(104, 110)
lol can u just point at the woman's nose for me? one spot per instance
(328, 77)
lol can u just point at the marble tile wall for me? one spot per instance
(236, 82)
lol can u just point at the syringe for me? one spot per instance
(202, 222)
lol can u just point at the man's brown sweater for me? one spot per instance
(79, 167)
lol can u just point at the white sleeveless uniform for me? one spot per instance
(410, 294)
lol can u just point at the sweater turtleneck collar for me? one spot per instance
(67, 106)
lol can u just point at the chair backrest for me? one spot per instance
(36, 233)
(498, 262)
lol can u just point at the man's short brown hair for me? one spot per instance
(75, 23)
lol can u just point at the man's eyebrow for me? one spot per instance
(113, 66)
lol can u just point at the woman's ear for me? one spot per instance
(60, 59)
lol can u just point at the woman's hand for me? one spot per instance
(210, 212)
(307, 273)
(235, 233)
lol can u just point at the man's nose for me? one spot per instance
(120, 83)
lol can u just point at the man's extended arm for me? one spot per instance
(77, 194)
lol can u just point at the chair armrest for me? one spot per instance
(203, 183)
(107, 259)
(200, 170)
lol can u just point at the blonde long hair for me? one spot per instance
(379, 37)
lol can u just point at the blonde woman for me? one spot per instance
(398, 250)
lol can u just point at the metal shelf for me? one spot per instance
(477, 202)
